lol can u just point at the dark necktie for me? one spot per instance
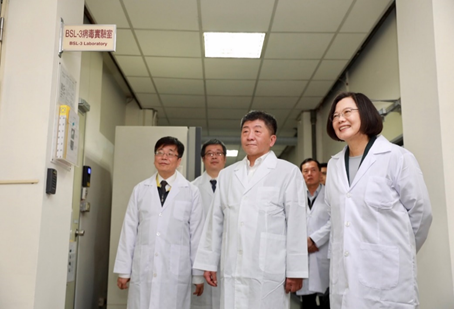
(163, 192)
(213, 184)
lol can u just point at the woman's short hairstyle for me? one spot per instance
(170, 141)
(268, 119)
(371, 121)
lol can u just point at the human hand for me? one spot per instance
(293, 284)
(198, 289)
(210, 277)
(311, 246)
(123, 283)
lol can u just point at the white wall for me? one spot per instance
(34, 227)
(426, 66)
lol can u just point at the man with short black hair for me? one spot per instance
(213, 156)
(160, 235)
(318, 230)
(256, 227)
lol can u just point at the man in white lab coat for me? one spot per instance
(213, 156)
(256, 227)
(160, 235)
(318, 229)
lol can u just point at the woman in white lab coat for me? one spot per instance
(380, 211)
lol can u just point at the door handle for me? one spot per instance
(80, 233)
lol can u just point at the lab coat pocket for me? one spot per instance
(380, 193)
(181, 210)
(272, 253)
(379, 266)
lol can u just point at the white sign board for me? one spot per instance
(89, 37)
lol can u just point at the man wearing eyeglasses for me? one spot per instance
(160, 235)
(213, 157)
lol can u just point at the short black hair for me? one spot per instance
(170, 141)
(213, 141)
(371, 121)
(268, 119)
(323, 165)
(310, 160)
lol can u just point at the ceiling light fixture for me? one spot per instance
(232, 153)
(233, 45)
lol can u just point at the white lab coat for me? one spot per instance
(318, 229)
(158, 244)
(378, 224)
(257, 229)
(211, 297)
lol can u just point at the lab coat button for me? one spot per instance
(156, 254)
(241, 223)
(158, 233)
(240, 252)
(348, 195)
(155, 275)
(346, 253)
(160, 214)
(347, 224)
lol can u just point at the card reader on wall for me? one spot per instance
(86, 176)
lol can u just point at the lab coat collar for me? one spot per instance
(381, 145)
(179, 182)
(265, 167)
(206, 185)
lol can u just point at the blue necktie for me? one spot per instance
(213, 184)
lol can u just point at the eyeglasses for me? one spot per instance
(346, 113)
(214, 154)
(169, 155)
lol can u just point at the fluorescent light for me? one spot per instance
(233, 45)
(232, 153)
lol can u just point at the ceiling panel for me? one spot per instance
(365, 15)
(148, 100)
(297, 45)
(318, 88)
(226, 113)
(310, 16)
(163, 14)
(236, 15)
(288, 69)
(126, 43)
(132, 65)
(230, 87)
(175, 67)
(308, 103)
(229, 101)
(216, 68)
(345, 45)
(171, 100)
(179, 86)
(141, 84)
(107, 12)
(288, 88)
(330, 69)
(188, 122)
(169, 43)
(265, 103)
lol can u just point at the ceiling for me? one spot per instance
(307, 46)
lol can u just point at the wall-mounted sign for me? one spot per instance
(88, 38)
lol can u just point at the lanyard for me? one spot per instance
(311, 203)
(366, 151)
